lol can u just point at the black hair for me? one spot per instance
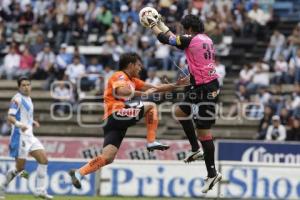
(22, 78)
(192, 21)
(128, 58)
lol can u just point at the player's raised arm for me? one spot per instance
(151, 19)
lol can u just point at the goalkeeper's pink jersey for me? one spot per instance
(200, 54)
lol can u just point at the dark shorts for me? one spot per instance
(200, 102)
(118, 122)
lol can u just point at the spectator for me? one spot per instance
(63, 34)
(258, 20)
(220, 69)
(295, 103)
(74, 71)
(27, 18)
(152, 77)
(81, 7)
(91, 14)
(117, 26)
(294, 65)
(293, 42)
(104, 19)
(276, 131)
(265, 122)
(80, 31)
(78, 54)
(32, 35)
(123, 15)
(26, 62)
(239, 18)
(260, 100)
(44, 63)
(130, 44)
(162, 55)
(130, 27)
(241, 97)
(146, 51)
(281, 71)
(38, 46)
(50, 24)
(275, 46)
(294, 133)
(61, 61)
(62, 9)
(40, 8)
(284, 116)
(260, 77)
(111, 51)
(19, 36)
(62, 95)
(94, 79)
(95, 67)
(2, 29)
(246, 74)
(11, 63)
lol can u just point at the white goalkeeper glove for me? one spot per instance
(161, 25)
(151, 21)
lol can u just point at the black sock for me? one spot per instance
(189, 131)
(209, 157)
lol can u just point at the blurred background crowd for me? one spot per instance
(45, 39)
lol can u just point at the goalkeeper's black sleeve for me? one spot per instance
(163, 38)
(179, 41)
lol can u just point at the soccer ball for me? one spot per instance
(148, 11)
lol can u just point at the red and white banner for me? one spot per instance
(79, 147)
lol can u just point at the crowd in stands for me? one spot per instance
(34, 33)
(36, 36)
(274, 83)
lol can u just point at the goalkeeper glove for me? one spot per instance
(161, 25)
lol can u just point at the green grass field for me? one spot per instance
(31, 197)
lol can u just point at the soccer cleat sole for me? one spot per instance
(75, 181)
(214, 182)
(193, 158)
(160, 148)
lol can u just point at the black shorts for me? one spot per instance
(200, 102)
(118, 122)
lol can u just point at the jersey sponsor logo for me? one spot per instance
(121, 77)
(129, 112)
(212, 72)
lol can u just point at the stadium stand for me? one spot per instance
(105, 29)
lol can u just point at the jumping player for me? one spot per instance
(121, 112)
(23, 142)
(203, 92)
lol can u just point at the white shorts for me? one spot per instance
(25, 145)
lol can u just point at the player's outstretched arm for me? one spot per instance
(167, 87)
(164, 35)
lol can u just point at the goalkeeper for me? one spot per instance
(203, 92)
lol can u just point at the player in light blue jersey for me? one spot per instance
(22, 140)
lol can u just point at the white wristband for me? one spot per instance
(18, 124)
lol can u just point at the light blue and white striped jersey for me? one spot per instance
(22, 108)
